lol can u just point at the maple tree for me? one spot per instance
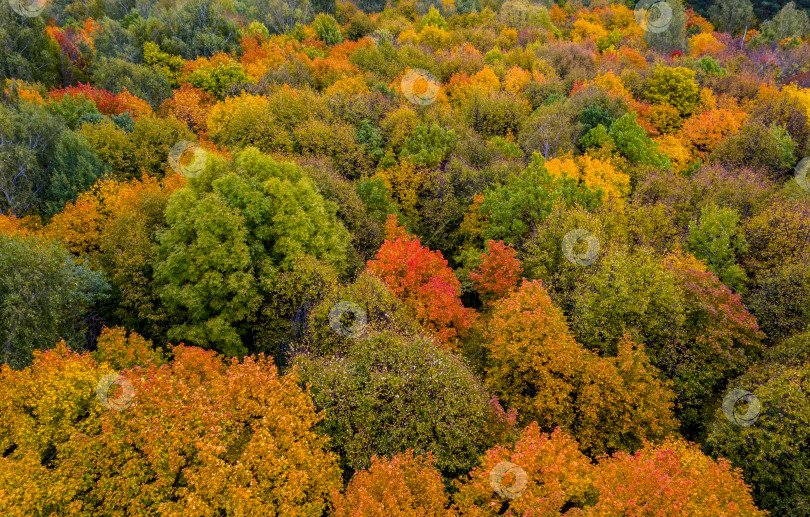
(424, 281)
(243, 461)
(406, 485)
(498, 273)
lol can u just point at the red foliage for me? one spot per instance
(498, 273)
(106, 102)
(423, 280)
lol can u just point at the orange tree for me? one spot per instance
(671, 478)
(407, 485)
(425, 283)
(498, 273)
(536, 367)
(203, 435)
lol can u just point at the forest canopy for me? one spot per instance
(457, 258)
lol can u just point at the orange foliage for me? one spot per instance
(557, 475)
(705, 130)
(674, 478)
(404, 486)
(190, 105)
(422, 279)
(705, 43)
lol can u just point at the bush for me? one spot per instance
(390, 394)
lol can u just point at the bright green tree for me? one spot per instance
(230, 231)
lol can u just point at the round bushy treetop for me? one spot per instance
(671, 478)
(389, 394)
(230, 231)
(404, 486)
(537, 368)
(773, 452)
(693, 327)
(558, 475)
(674, 86)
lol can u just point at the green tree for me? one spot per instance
(674, 36)
(773, 452)
(25, 53)
(327, 29)
(731, 16)
(715, 238)
(76, 167)
(392, 393)
(789, 22)
(429, 147)
(44, 295)
(230, 231)
(28, 135)
(515, 208)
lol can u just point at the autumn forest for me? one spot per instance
(405, 258)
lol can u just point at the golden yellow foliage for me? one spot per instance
(595, 173)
